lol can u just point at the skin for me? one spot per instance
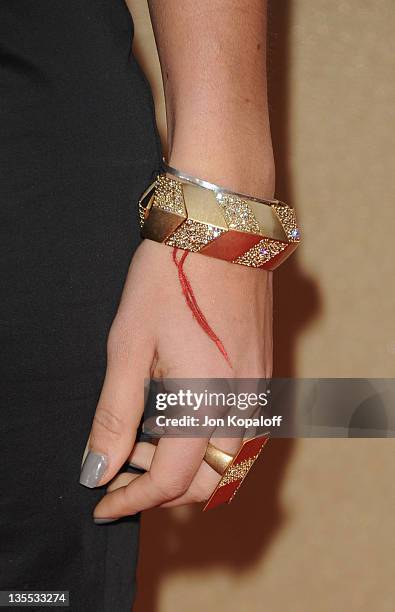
(213, 60)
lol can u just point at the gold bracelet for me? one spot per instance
(213, 221)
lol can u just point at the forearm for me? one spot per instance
(213, 61)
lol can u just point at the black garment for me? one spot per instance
(78, 145)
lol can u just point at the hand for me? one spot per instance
(154, 334)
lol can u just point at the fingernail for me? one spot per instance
(102, 521)
(93, 469)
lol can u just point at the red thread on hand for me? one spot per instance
(193, 305)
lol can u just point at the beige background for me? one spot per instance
(314, 528)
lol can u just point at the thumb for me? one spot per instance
(119, 411)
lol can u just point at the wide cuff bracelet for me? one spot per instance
(192, 214)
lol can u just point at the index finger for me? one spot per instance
(175, 462)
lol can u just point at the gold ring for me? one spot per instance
(217, 458)
(232, 468)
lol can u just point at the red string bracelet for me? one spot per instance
(193, 305)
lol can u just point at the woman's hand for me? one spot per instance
(154, 334)
(215, 88)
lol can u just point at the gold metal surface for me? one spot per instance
(217, 458)
(238, 471)
(161, 224)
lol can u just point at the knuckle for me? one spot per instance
(197, 497)
(178, 488)
(169, 489)
(106, 420)
(203, 492)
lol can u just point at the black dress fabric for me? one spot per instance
(78, 145)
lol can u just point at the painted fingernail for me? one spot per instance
(93, 469)
(102, 521)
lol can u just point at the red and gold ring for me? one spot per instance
(232, 468)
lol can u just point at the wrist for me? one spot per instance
(252, 172)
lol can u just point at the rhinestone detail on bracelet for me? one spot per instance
(169, 196)
(261, 253)
(287, 218)
(193, 236)
(238, 215)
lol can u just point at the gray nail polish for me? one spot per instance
(93, 469)
(102, 521)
